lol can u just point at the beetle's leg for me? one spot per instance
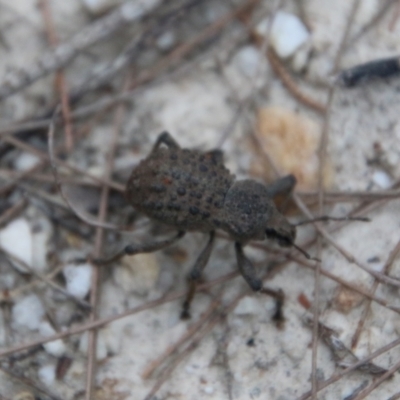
(283, 185)
(167, 139)
(195, 275)
(249, 273)
(132, 249)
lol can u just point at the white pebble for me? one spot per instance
(248, 59)
(28, 311)
(16, 238)
(287, 34)
(208, 390)
(382, 179)
(57, 347)
(47, 374)
(248, 306)
(78, 279)
(25, 161)
(166, 41)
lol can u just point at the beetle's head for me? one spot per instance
(250, 214)
(280, 230)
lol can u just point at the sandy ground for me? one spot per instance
(211, 98)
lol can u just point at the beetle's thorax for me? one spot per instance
(247, 208)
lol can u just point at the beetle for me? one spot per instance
(191, 190)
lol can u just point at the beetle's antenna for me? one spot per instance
(328, 218)
(305, 254)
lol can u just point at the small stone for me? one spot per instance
(248, 61)
(166, 41)
(25, 161)
(382, 179)
(78, 278)
(47, 374)
(28, 312)
(287, 33)
(57, 347)
(248, 306)
(208, 390)
(16, 238)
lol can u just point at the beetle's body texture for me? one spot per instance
(182, 188)
(193, 191)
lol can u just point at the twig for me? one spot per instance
(184, 353)
(12, 212)
(342, 46)
(149, 370)
(42, 155)
(385, 7)
(45, 279)
(322, 151)
(66, 52)
(97, 253)
(101, 322)
(344, 283)
(377, 382)
(60, 80)
(385, 270)
(338, 376)
(30, 383)
(291, 86)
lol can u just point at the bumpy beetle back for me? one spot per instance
(182, 188)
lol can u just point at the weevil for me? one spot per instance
(191, 190)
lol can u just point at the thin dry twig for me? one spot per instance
(345, 37)
(97, 253)
(378, 382)
(28, 269)
(55, 59)
(192, 345)
(153, 365)
(385, 270)
(60, 80)
(383, 10)
(101, 322)
(291, 86)
(78, 212)
(346, 371)
(13, 212)
(322, 151)
(30, 383)
(56, 161)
